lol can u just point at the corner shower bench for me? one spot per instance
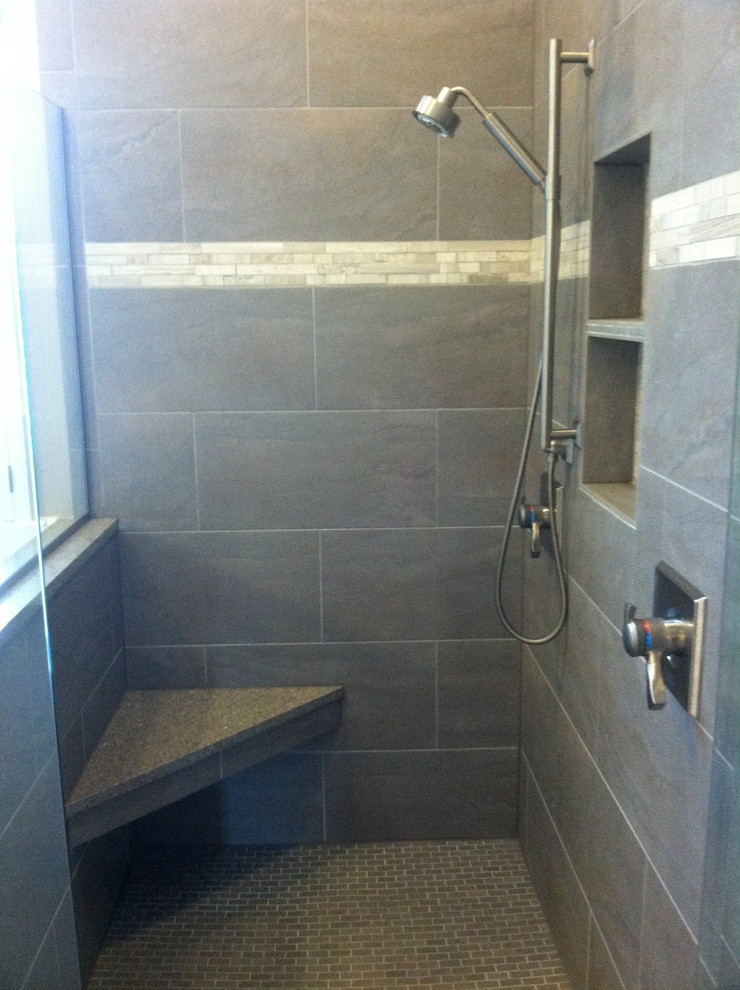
(161, 746)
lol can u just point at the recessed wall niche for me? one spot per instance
(611, 419)
(615, 329)
(618, 223)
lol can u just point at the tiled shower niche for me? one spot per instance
(618, 225)
(618, 260)
(611, 419)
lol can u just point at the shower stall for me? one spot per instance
(308, 338)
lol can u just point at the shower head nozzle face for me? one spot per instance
(437, 114)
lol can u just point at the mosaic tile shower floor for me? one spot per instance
(447, 915)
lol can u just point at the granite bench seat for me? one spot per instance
(161, 746)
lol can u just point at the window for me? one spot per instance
(38, 366)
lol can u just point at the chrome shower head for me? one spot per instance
(437, 114)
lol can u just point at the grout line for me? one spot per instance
(367, 410)
(436, 695)
(595, 924)
(298, 645)
(308, 529)
(195, 478)
(321, 586)
(683, 488)
(643, 901)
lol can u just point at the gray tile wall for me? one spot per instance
(89, 678)
(37, 928)
(616, 798)
(311, 484)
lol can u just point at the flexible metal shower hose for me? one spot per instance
(518, 485)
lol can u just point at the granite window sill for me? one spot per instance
(20, 598)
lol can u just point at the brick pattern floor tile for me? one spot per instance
(377, 916)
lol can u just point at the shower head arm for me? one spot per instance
(506, 138)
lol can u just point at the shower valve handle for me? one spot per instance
(653, 640)
(534, 518)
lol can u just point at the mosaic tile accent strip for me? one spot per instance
(698, 223)
(458, 915)
(304, 264)
(574, 253)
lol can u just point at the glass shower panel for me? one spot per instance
(39, 295)
(719, 944)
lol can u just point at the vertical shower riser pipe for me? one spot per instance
(552, 242)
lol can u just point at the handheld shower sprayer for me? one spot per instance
(439, 115)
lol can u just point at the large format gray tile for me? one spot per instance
(34, 875)
(277, 801)
(638, 89)
(18, 769)
(103, 702)
(668, 955)
(97, 882)
(614, 881)
(148, 471)
(182, 53)
(577, 785)
(307, 175)
(431, 347)
(540, 717)
(690, 527)
(601, 552)
(693, 314)
(678, 527)
(85, 632)
(711, 62)
(574, 22)
(721, 892)
(72, 756)
(727, 733)
(410, 584)
(478, 694)
(129, 170)
(194, 588)
(417, 48)
(477, 457)
(657, 764)
(589, 638)
(175, 350)
(66, 944)
(165, 667)
(602, 974)
(45, 969)
(414, 795)
(565, 907)
(482, 193)
(389, 688)
(312, 470)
